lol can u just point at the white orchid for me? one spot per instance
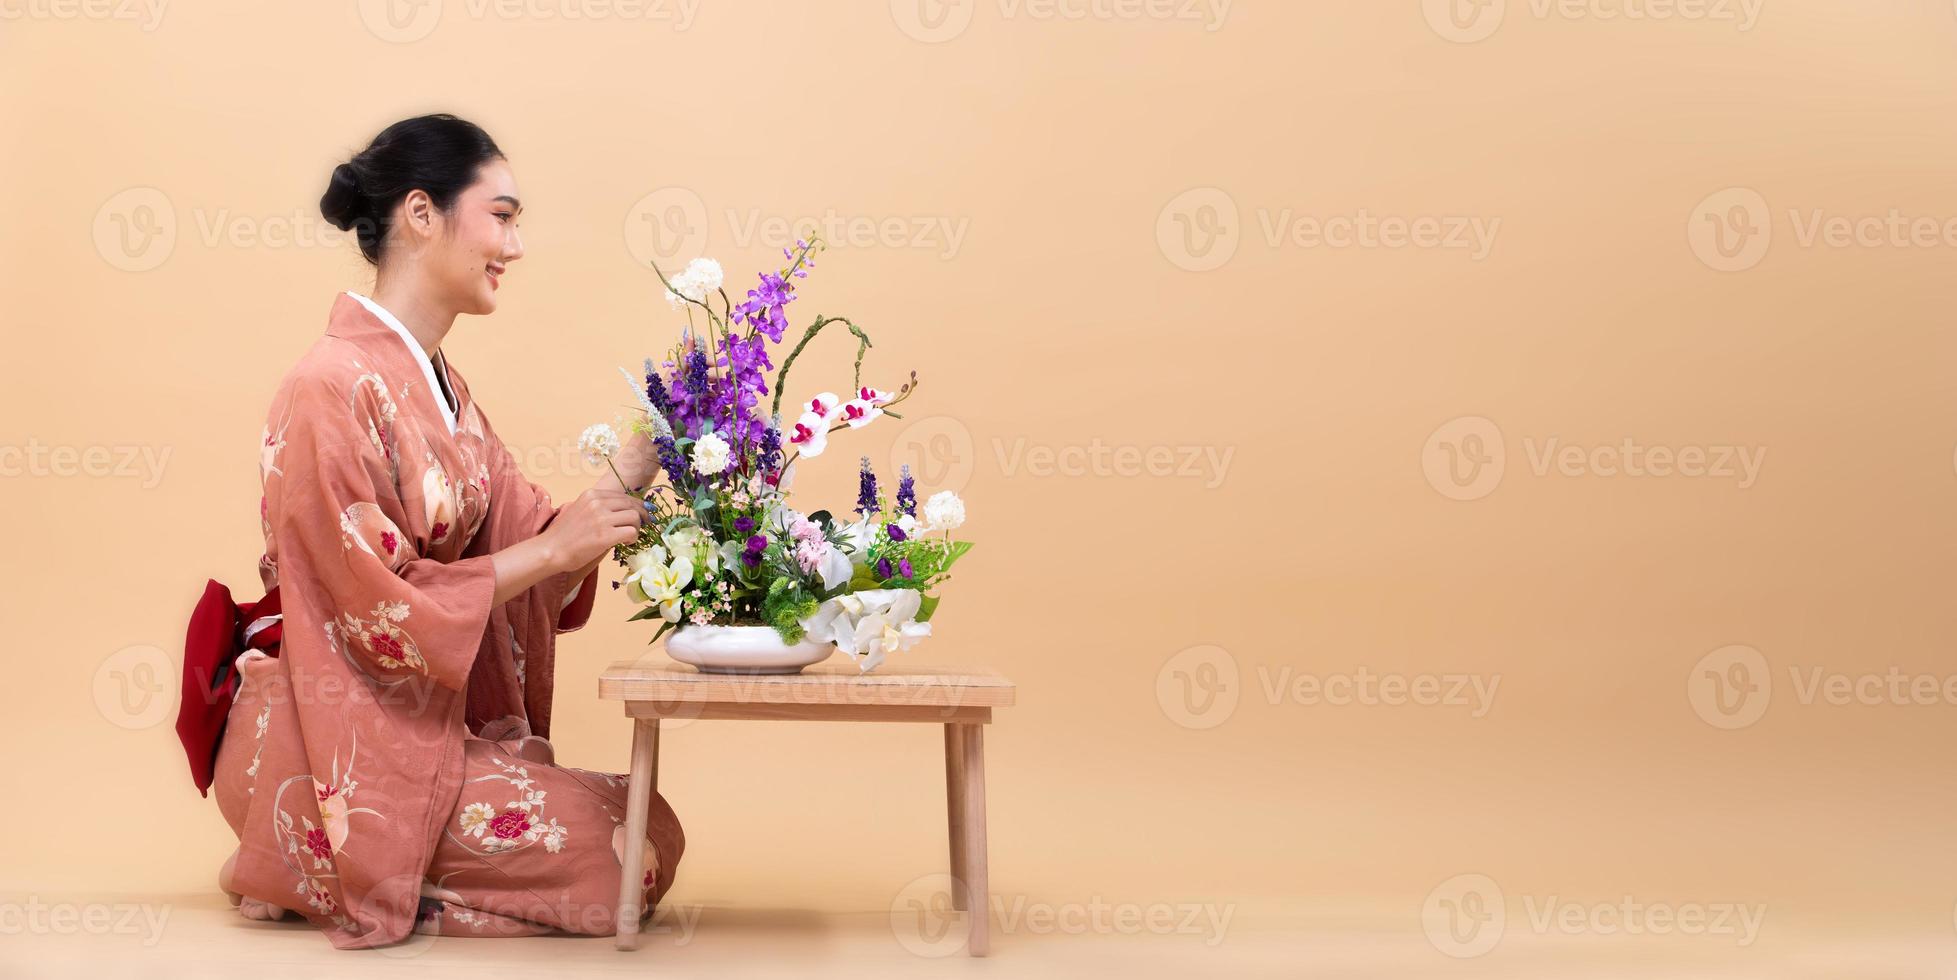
(810, 433)
(653, 581)
(699, 278)
(869, 625)
(865, 407)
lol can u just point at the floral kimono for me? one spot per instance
(386, 771)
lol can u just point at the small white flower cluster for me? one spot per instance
(700, 278)
(943, 512)
(599, 442)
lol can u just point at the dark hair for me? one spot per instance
(439, 154)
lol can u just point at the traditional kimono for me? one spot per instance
(386, 771)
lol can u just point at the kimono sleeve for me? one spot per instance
(521, 509)
(340, 524)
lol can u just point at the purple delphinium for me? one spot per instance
(763, 309)
(906, 494)
(692, 394)
(657, 392)
(735, 408)
(866, 492)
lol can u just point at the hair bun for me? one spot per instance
(342, 203)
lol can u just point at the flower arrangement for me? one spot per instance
(721, 545)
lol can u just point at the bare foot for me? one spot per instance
(250, 908)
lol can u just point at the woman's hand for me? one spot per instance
(578, 538)
(585, 529)
(637, 463)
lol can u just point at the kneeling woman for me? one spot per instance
(387, 771)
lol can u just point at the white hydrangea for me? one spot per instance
(701, 277)
(710, 454)
(599, 442)
(944, 511)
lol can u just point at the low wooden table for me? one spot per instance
(960, 700)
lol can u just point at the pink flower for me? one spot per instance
(316, 843)
(386, 646)
(510, 824)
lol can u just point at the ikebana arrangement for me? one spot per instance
(748, 583)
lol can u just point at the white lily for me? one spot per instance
(692, 541)
(653, 581)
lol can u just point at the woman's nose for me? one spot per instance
(513, 248)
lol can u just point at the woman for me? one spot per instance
(387, 771)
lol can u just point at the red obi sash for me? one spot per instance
(220, 630)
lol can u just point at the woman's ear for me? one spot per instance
(419, 213)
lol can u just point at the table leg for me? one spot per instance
(955, 810)
(978, 889)
(638, 796)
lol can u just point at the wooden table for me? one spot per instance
(961, 700)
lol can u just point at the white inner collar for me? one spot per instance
(435, 388)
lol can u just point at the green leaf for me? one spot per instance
(663, 627)
(646, 613)
(925, 608)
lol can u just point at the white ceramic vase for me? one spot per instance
(743, 650)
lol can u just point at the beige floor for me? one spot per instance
(198, 936)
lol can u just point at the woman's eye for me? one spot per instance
(503, 215)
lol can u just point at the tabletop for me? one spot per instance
(832, 685)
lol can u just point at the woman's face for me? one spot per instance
(474, 243)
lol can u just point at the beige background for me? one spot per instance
(1122, 255)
